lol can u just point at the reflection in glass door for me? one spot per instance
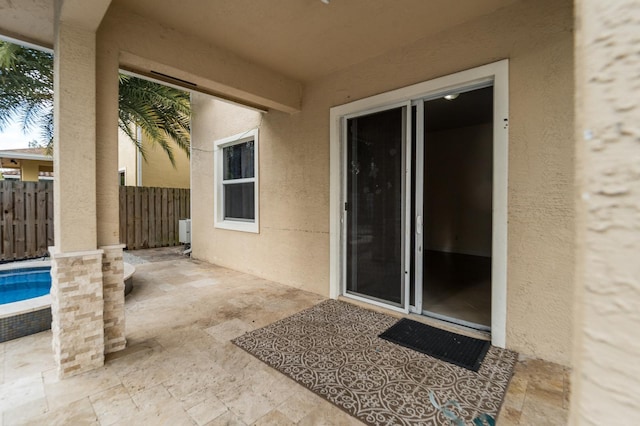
(375, 211)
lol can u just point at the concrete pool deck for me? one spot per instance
(179, 366)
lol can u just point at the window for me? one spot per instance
(122, 174)
(236, 182)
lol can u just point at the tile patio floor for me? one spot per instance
(180, 368)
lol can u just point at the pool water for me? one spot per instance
(24, 283)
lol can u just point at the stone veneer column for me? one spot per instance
(113, 293)
(77, 311)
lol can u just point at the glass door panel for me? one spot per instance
(375, 212)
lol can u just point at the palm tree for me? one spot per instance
(26, 94)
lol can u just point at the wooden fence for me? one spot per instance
(26, 219)
(149, 216)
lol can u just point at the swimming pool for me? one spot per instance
(26, 308)
(24, 283)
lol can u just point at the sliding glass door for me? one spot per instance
(375, 198)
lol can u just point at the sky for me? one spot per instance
(13, 138)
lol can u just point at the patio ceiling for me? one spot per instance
(301, 39)
(306, 39)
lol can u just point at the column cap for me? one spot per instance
(55, 254)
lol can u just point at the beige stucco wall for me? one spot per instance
(157, 170)
(606, 379)
(30, 169)
(75, 222)
(127, 159)
(293, 244)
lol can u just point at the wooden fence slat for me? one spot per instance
(50, 240)
(122, 202)
(7, 221)
(144, 217)
(18, 220)
(152, 217)
(172, 221)
(158, 215)
(32, 222)
(165, 228)
(41, 214)
(130, 223)
(137, 216)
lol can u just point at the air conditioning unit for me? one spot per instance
(184, 231)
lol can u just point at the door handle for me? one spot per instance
(418, 224)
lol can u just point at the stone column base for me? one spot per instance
(77, 311)
(113, 292)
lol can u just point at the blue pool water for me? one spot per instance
(24, 283)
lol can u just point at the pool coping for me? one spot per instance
(41, 302)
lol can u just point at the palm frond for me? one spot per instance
(26, 94)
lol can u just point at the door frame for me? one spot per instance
(498, 72)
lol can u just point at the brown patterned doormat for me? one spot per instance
(334, 350)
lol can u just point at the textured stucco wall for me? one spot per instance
(127, 155)
(606, 379)
(293, 244)
(75, 227)
(30, 169)
(157, 169)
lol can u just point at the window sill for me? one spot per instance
(233, 225)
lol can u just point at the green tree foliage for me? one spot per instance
(26, 94)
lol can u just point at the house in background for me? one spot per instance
(316, 169)
(33, 164)
(27, 164)
(155, 170)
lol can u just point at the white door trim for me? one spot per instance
(499, 73)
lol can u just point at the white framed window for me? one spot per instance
(122, 176)
(236, 182)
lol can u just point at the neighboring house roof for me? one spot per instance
(39, 154)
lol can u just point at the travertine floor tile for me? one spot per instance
(329, 416)
(248, 405)
(24, 414)
(301, 403)
(76, 413)
(112, 404)
(21, 391)
(227, 419)
(153, 398)
(62, 392)
(274, 418)
(535, 413)
(229, 330)
(30, 358)
(207, 410)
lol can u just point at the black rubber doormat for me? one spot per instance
(462, 351)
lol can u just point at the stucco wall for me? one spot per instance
(293, 244)
(157, 170)
(605, 383)
(127, 154)
(30, 169)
